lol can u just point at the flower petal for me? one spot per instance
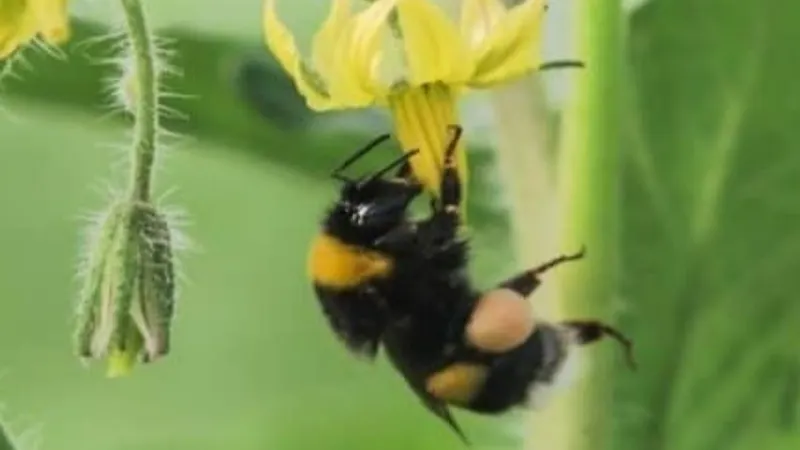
(478, 19)
(433, 47)
(16, 26)
(367, 32)
(326, 39)
(513, 49)
(8, 43)
(52, 19)
(281, 43)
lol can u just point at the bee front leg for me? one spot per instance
(441, 228)
(526, 282)
(405, 172)
(450, 187)
(443, 223)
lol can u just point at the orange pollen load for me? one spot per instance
(501, 321)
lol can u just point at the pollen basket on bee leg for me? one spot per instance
(502, 320)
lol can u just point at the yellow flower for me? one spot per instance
(409, 56)
(22, 20)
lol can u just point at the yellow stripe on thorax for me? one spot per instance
(335, 264)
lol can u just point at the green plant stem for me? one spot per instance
(145, 101)
(589, 175)
(526, 168)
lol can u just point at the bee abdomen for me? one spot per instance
(522, 376)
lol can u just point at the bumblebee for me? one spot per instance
(387, 281)
(346, 265)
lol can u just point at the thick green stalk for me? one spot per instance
(528, 179)
(589, 175)
(529, 182)
(146, 98)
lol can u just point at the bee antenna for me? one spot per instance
(391, 166)
(357, 155)
(562, 64)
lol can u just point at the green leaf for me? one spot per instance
(712, 227)
(5, 439)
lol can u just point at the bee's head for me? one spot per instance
(376, 204)
(369, 206)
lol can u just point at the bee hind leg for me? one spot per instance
(526, 282)
(588, 331)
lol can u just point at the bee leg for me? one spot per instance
(443, 223)
(588, 331)
(526, 282)
(450, 187)
(404, 171)
(440, 230)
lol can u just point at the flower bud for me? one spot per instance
(127, 301)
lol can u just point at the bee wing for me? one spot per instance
(416, 380)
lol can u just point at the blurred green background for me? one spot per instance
(709, 254)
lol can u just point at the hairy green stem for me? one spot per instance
(589, 175)
(146, 91)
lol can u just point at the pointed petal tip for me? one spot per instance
(434, 46)
(278, 38)
(513, 49)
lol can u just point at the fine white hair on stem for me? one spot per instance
(181, 243)
(10, 70)
(119, 87)
(39, 44)
(12, 64)
(92, 223)
(112, 41)
(120, 90)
